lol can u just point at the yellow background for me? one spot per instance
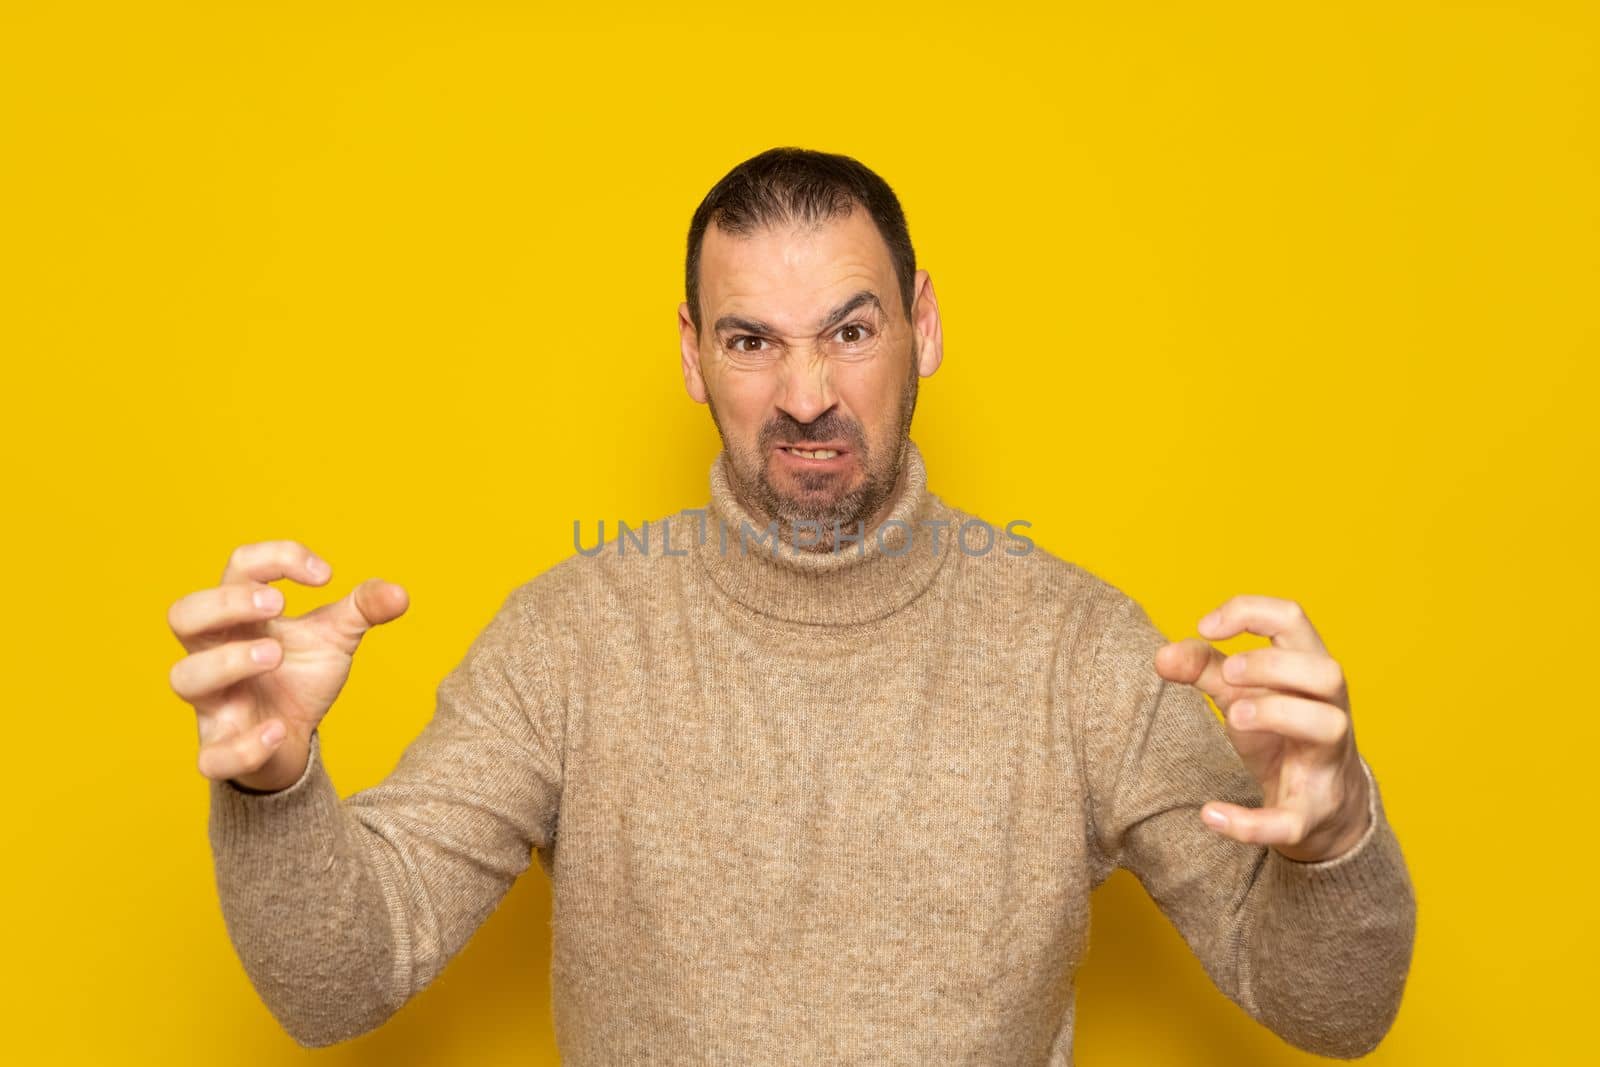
(1294, 299)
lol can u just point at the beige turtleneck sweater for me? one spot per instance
(817, 808)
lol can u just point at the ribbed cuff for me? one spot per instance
(256, 825)
(1370, 875)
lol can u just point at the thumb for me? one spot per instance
(1195, 662)
(372, 603)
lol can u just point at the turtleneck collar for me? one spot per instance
(856, 583)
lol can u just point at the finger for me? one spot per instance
(1296, 717)
(206, 610)
(1256, 826)
(1193, 662)
(1313, 673)
(1282, 620)
(242, 752)
(266, 561)
(200, 676)
(369, 604)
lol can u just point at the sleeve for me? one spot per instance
(1317, 952)
(341, 911)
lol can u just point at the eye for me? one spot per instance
(857, 332)
(741, 343)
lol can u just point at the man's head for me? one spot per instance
(806, 329)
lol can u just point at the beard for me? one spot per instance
(820, 497)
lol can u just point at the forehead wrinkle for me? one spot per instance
(861, 298)
(790, 260)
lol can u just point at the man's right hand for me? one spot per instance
(259, 683)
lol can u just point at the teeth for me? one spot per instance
(821, 453)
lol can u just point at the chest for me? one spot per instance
(856, 801)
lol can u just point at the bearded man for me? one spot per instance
(813, 778)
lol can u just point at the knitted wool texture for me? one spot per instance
(837, 807)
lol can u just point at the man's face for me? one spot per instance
(810, 367)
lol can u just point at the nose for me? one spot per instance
(806, 391)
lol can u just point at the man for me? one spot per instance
(815, 779)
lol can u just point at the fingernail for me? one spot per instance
(272, 734)
(268, 599)
(262, 653)
(1214, 818)
(1233, 668)
(1209, 622)
(1244, 713)
(318, 567)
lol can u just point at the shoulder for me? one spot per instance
(616, 568)
(1014, 568)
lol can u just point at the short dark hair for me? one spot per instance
(798, 185)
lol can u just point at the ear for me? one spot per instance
(689, 342)
(925, 324)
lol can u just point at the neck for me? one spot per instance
(855, 580)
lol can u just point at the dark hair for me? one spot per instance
(801, 186)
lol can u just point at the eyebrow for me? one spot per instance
(832, 318)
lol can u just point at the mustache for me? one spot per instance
(827, 426)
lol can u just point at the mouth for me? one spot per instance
(814, 454)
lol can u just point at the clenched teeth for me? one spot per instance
(821, 453)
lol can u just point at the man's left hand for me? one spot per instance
(1287, 712)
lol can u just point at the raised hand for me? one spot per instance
(1287, 712)
(261, 683)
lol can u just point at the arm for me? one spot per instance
(341, 911)
(1317, 952)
